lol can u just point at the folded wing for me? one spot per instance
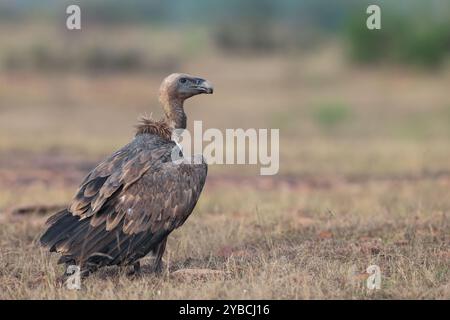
(126, 206)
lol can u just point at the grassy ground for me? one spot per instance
(273, 238)
(364, 179)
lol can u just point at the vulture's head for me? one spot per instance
(180, 86)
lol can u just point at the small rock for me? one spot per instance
(325, 235)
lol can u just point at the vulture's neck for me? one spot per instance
(174, 118)
(174, 112)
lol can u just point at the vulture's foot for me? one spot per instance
(158, 267)
(136, 270)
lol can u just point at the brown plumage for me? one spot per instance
(157, 127)
(129, 204)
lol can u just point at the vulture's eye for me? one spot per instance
(183, 80)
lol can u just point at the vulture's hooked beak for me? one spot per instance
(204, 86)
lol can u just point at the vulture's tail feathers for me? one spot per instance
(59, 225)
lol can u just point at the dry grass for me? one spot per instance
(364, 180)
(308, 239)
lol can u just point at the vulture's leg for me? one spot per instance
(136, 269)
(87, 269)
(159, 252)
(85, 273)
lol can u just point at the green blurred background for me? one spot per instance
(347, 100)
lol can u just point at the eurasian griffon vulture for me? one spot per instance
(129, 204)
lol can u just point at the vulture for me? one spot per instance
(127, 206)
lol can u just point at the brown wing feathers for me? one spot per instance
(125, 207)
(68, 231)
